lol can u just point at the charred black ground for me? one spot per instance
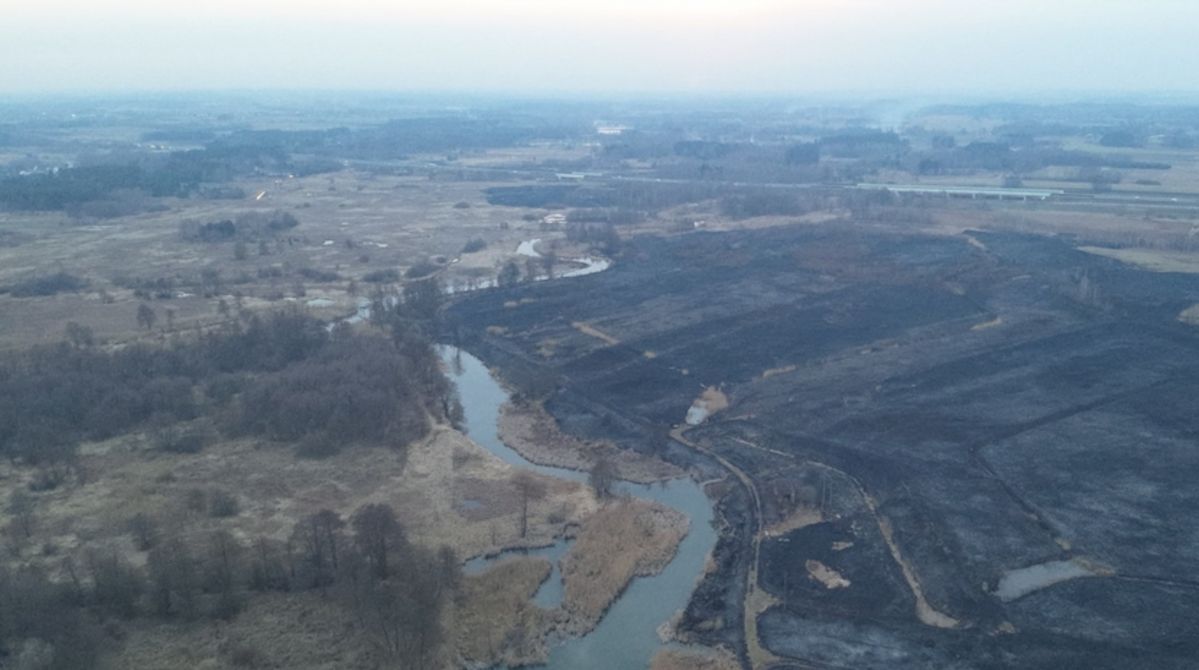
(995, 401)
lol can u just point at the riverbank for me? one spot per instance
(501, 626)
(694, 659)
(531, 431)
(631, 566)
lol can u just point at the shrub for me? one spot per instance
(245, 656)
(317, 446)
(144, 531)
(222, 504)
(59, 282)
(382, 276)
(196, 500)
(471, 246)
(183, 442)
(312, 274)
(421, 269)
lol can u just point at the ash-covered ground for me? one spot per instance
(934, 426)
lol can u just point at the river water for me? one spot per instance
(627, 635)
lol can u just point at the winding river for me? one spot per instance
(627, 635)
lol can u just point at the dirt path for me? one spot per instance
(756, 600)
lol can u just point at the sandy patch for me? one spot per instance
(997, 321)
(826, 575)
(588, 329)
(802, 517)
(694, 659)
(774, 372)
(1151, 259)
(711, 401)
(1190, 315)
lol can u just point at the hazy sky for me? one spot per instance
(934, 46)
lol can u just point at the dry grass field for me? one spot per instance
(351, 224)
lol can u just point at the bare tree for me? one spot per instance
(21, 508)
(174, 579)
(377, 534)
(602, 476)
(79, 336)
(146, 316)
(221, 569)
(529, 487)
(116, 585)
(317, 537)
(509, 275)
(144, 531)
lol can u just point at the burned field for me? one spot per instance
(965, 451)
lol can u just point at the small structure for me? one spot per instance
(972, 192)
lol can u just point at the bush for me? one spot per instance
(471, 246)
(183, 442)
(317, 446)
(388, 276)
(421, 269)
(245, 656)
(144, 531)
(312, 274)
(59, 282)
(222, 504)
(196, 500)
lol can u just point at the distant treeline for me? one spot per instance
(638, 196)
(247, 225)
(397, 139)
(1001, 156)
(299, 152)
(43, 285)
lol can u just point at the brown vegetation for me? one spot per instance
(499, 623)
(594, 575)
(530, 430)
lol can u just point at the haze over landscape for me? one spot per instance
(748, 46)
(627, 335)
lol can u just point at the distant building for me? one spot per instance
(606, 129)
(972, 192)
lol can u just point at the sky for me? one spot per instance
(593, 46)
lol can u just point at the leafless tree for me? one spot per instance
(378, 535)
(529, 487)
(602, 476)
(146, 316)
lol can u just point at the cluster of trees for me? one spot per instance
(400, 137)
(247, 225)
(601, 235)
(177, 174)
(395, 591)
(636, 196)
(1002, 156)
(356, 389)
(68, 186)
(284, 377)
(51, 284)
